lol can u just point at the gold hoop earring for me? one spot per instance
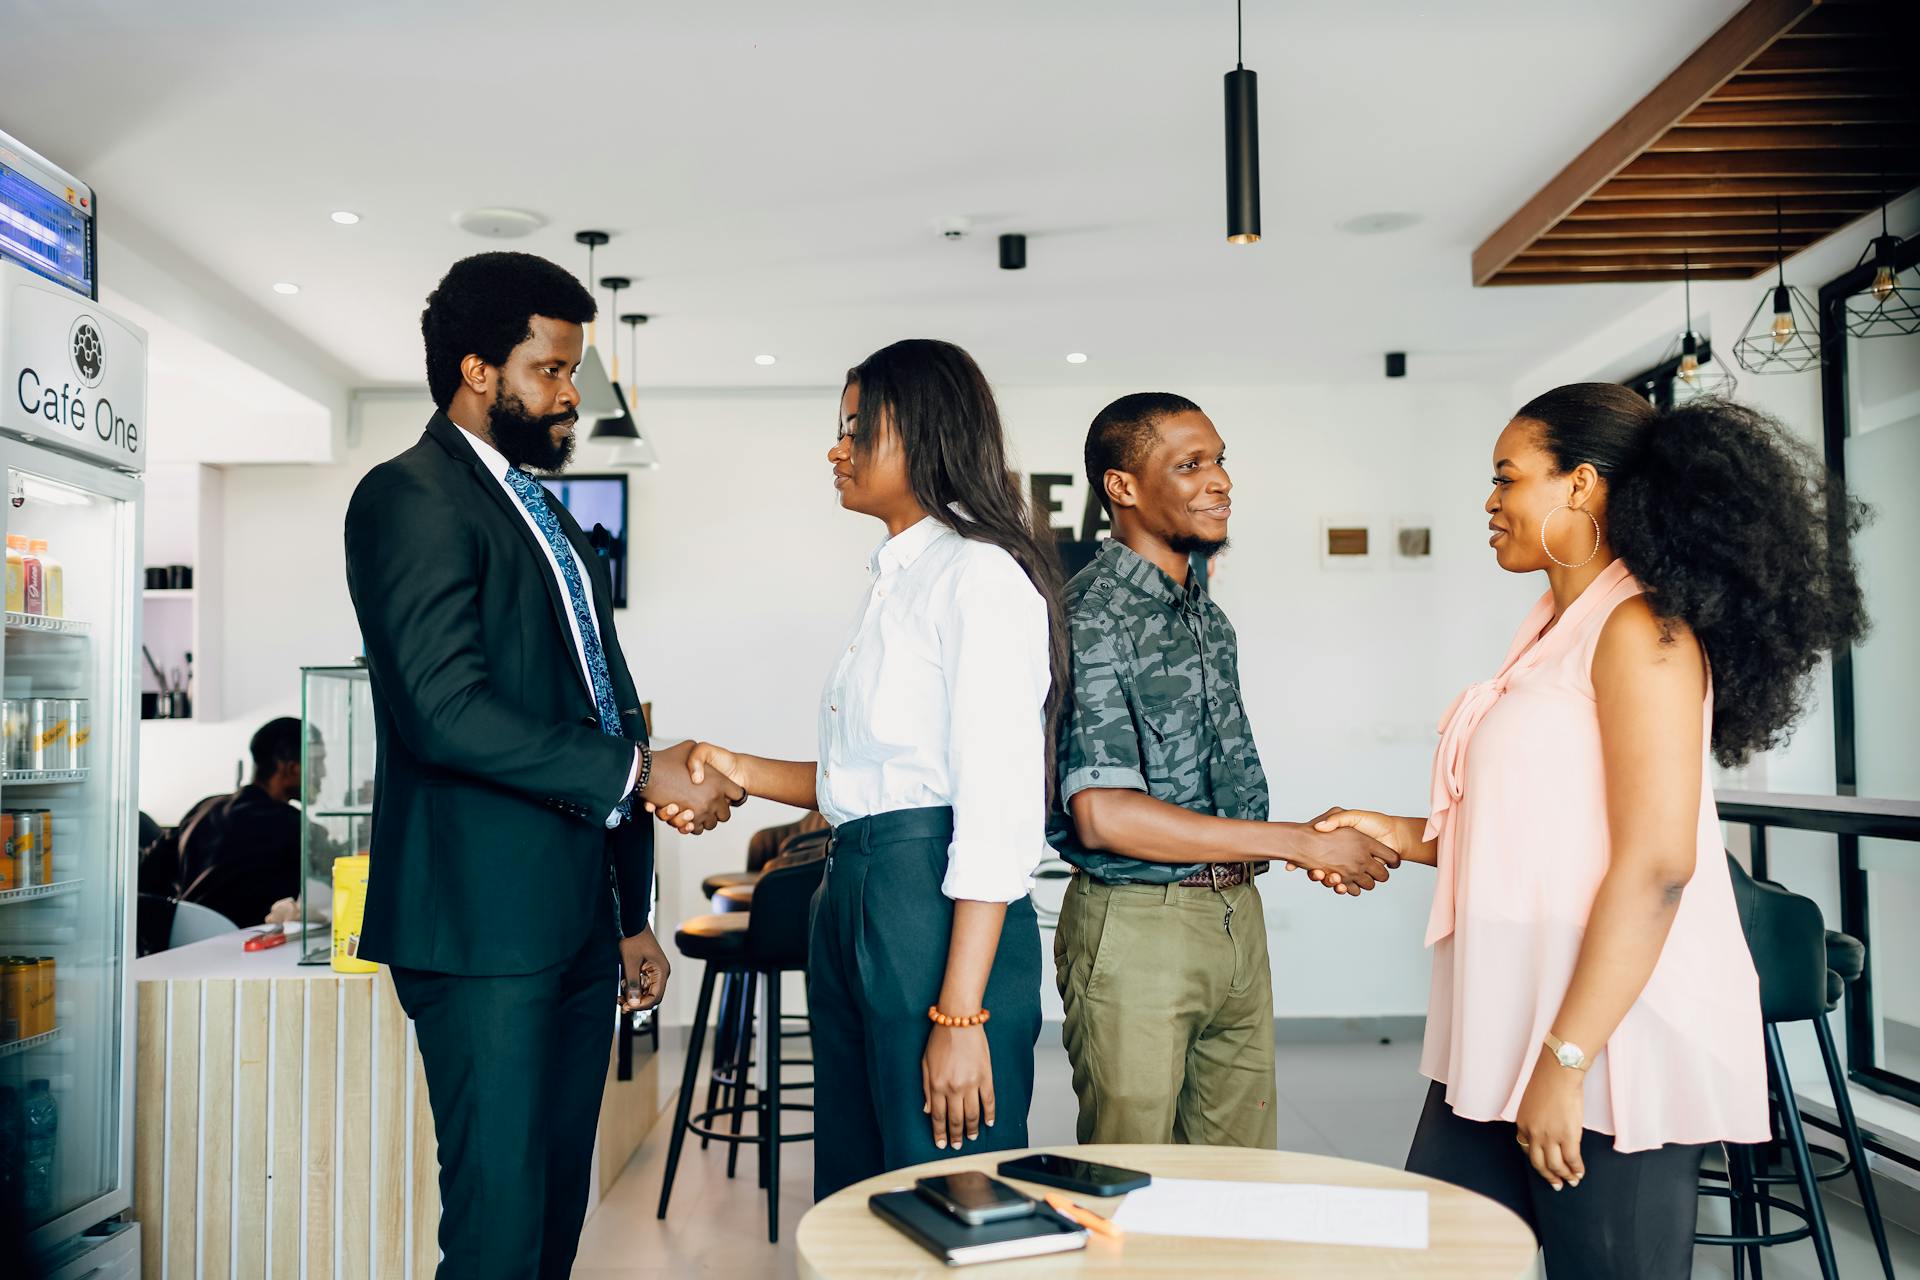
(1549, 550)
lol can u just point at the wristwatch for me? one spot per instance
(1568, 1055)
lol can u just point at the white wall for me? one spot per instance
(746, 575)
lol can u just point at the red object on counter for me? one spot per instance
(264, 939)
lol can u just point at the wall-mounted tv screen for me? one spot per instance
(599, 503)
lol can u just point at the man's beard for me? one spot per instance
(526, 441)
(1186, 544)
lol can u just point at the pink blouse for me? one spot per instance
(1520, 814)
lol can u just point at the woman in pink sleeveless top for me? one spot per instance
(1595, 1018)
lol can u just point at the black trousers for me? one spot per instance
(515, 1070)
(1631, 1217)
(875, 962)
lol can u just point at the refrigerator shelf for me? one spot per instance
(41, 777)
(36, 892)
(31, 1043)
(353, 811)
(36, 624)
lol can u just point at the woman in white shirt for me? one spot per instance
(936, 732)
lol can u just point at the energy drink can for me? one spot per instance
(43, 997)
(18, 755)
(10, 870)
(79, 733)
(18, 980)
(48, 729)
(32, 845)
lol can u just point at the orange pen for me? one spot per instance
(1086, 1218)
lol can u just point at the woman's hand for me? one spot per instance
(1550, 1121)
(702, 757)
(956, 1073)
(1378, 826)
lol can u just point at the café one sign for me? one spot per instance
(72, 374)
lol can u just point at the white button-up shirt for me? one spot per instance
(496, 463)
(940, 699)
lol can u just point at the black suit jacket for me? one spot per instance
(490, 851)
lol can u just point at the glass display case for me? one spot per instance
(336, 771)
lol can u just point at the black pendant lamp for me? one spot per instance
(630, 448)
(1697, 369)
(1889, 306)
(608, 427)
(596, 391)
(1243, 144)
(1783, 334)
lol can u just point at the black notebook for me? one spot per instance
(958, 1244)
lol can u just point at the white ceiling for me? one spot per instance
(772, 170)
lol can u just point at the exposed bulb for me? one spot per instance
(1689, 369)
(1883, 284)
(1782, 327)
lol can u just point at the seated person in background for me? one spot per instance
(240, 854)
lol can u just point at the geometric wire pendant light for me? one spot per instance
(1889, 305)
(1783, 334)
(1699, 369)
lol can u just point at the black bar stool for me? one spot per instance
(759, 945)
(1803, 972)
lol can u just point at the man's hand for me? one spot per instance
(1348, 852)
(689, 805)
(643, 972)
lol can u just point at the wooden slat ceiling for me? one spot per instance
(1814, 103)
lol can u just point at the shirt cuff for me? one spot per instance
(633, 776)
(979, 874)
(1118, 777)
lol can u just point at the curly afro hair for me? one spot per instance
(484, 306)
(1734, 528)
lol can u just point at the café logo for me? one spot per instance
(87, 352)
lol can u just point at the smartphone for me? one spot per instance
(974, 1198)
(1070, 1174)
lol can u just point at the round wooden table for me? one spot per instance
(1470, 1237)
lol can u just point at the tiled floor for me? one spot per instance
(1359, 1101)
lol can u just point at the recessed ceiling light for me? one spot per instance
(345, 217)
(1374, 224)
(766, 360)
(284, 287)
(1076, 357)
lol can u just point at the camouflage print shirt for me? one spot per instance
(1154, 706)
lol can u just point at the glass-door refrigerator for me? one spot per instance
(72, 406)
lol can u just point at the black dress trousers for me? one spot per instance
(515, 1066)
(876, 960)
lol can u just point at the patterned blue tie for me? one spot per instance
(533, 497)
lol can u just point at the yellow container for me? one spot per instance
(349, 908)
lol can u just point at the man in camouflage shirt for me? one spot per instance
(1161, 950)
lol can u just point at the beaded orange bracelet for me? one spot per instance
(948, 1020)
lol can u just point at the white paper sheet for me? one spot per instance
(1296, 1212)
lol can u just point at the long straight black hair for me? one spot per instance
(940, 404)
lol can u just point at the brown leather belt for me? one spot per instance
(1224, 875)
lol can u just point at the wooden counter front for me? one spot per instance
(281, 1122)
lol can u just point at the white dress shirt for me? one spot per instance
(496, 463)
(940, 699)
